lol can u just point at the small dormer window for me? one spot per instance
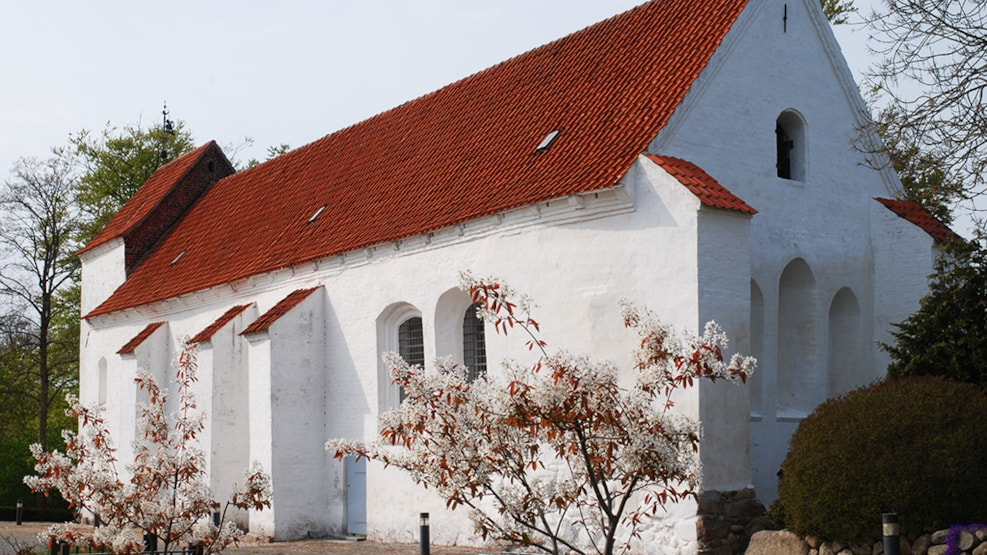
(548, 140)
(790, 146)
(317, 213)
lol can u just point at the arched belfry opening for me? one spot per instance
(791, 146)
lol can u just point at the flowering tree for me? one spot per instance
(555, 455)
(163, 493)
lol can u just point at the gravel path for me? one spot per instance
(12, 535)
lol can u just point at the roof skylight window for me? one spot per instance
(317, 213)
(548, 140)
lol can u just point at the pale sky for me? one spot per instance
(279, 72)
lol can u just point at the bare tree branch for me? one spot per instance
(934, 74)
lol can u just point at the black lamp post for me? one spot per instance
(892, 531)
(423, 533)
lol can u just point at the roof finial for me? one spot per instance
(167, 128)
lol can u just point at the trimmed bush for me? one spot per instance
(915, 446)
(34, 514)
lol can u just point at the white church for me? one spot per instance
(695, 156)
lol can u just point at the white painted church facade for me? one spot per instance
(700, 165)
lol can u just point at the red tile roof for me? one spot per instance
(206, 334)
(913, 212)
(147, 197)
(132, 345)
(277, 311)
(462, 152)
(710, 192)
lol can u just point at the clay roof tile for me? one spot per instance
(459, 153)
(283, 307)
(132, 345)
(916, 214)
(146, 198)
(707, 189)
(206, 334)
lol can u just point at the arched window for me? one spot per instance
(411, 344)
(474, 343)
(400, 331)
(790, 143)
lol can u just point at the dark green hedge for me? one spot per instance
(33, 514)
(914, 446)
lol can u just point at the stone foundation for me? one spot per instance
(728, 519)
(970, 540)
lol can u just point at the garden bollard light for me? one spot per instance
(892, 530)
(20, 512)
(423, 534)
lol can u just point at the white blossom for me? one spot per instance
(554, 453)
(163, 491)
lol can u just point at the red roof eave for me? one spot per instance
(462, 152)
(283, 307)
(916, 214)
(701, 184)
(131, 346)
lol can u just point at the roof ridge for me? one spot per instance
(465, 151)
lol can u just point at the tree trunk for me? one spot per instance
(44, 380)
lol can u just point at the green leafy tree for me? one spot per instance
(18, 403)
(837, 11)
(272, 152)
(37, 244)
(115, 163)
(947, 336)
(925, 175)
(17, 415)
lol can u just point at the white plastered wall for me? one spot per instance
(314, 375)
(289, 362)
(105, 271)
(781, 57)
(576, 257)
(224, 385)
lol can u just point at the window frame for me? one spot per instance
(474, 343)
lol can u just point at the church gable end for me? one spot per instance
(211, 166)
